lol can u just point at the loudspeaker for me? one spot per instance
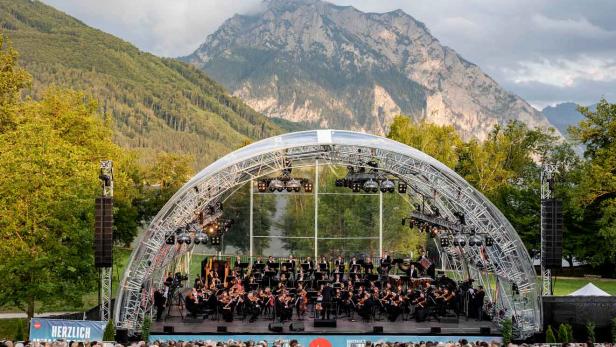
(377, 329)
(435, 330)
(275, 327)
(103, 232)
(551, 233)
(221, 329)
(121, 336)
(484, 331)
(297, 326)
(325, 323)
(168, 329)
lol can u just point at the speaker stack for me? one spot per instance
(551, 233)
(103, 232)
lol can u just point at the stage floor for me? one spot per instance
(344, 326)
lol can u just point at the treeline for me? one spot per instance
(507, 169)
(153, 103)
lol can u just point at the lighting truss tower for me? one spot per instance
(547, 181)
(106, 177)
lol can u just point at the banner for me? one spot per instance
(42, 329)
(323, 340)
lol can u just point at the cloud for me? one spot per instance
(564, 72)
(520, 43)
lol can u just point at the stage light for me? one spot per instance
(475, 241)
(215, 241)
(387, 186)
(371, 187)
(308, 187)
(444, 242)
(355, 187)
(183, 237)
(350, 169)
(401, 187)
(459, 241)
(200, 238)
(293, 185)
(262, 186)
(170, 240)
(489, 241)
(276, 185)
(339, 183)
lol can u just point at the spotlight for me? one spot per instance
(276, 185)
(200, 238)
(475, 241)
(471, 241)
(308, 187)
(489, 241)
(401, 187)
(444, 242)
(170, 240)
(293, 185)
(371, 187)
(355, 187)
(387, 186)
(459, 241)
(215, 241)
(339, 183)
(262, 186)
(183, 237)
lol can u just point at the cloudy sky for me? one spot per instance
(546, 51)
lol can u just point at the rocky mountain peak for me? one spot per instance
(335, 66)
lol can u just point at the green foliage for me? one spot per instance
(145, 329)
(153, 103)
(590, 330)
(507, 330)
(594, 196)
(565, 333)
(9, 327)
(441, 142)
(109, 333)
(549, 335)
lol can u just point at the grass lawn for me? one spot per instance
(567, 285)
(9, 327)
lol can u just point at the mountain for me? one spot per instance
(155, 104)
(564, 115)
(334, 66)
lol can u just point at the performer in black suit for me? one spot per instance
(385, 263)
(339, 263)
(328, 296)
(270, 262)
(412, 271)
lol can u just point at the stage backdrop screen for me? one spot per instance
(42, 329)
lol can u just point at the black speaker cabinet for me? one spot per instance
(168, 329)
(121, 336)
(435, 330)
(221, 329)
(325, 323)
(552, 228)
(297, 326)
(377, 329)
(275, 327)
(103, 232)
(485, 331)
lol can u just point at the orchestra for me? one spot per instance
(284, 288)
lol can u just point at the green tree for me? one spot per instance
(109, 333)
(549, 335)
(50, 152)
(439, 141)
(507, 330)
(590, 330)
(563, 334)
(13, 79)
(595, 193)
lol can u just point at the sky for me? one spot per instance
(546, 51)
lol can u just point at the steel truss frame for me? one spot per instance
(507, 262)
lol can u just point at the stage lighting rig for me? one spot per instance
(369, 178)
(284, 182)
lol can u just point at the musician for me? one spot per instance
(271, 263)
(159, 301)
(385, 263)
(284, 309)
(328, 296)
(368, 266)
(259, 260)
(339, 264)
(293, 263)
(412, 271)
(253, 306)
(309, 265)
(324, 265)
(477, 303)
(191, 304)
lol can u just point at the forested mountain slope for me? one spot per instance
(154, 103)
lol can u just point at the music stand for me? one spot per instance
(258, 267)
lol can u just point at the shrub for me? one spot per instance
(145, 329)
(19, 335)
(614, 330)
(109, 334)
(549, 335)
(590, 330)
(507, 330)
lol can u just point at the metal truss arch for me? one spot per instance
(506, 265)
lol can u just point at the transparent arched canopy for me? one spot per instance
(504, 266)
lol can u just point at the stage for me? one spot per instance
(344, 326)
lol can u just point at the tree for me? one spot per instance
(12, 80)
(50, 152)
(595, 193)
(439, 141)
(109, 333)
